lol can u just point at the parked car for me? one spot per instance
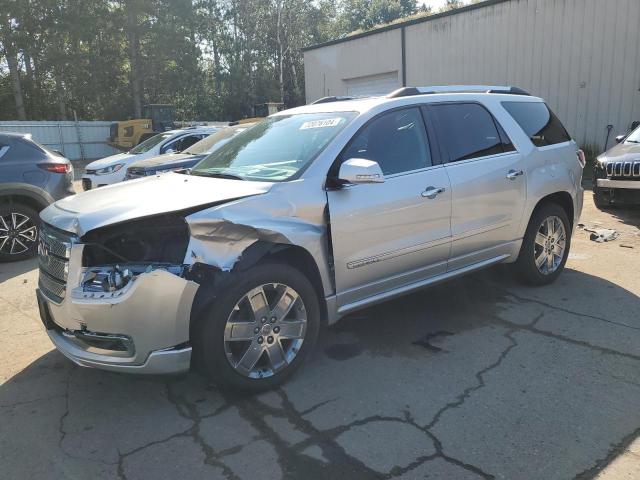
(185, 159)
(616, 176)
(109, 170)
(31, 178)
(311, 214)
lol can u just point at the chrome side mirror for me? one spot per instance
(620, 138)
(360, 170)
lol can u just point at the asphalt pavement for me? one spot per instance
(476, 378)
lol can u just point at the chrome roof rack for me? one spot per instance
(409, 91)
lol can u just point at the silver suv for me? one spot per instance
(312, 214)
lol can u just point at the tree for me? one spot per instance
(9, 31)
(212, 59)
(452, 5)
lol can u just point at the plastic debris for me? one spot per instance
(601, 235)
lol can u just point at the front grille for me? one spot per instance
(627, 170)
(54, 251)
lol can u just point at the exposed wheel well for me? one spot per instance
(563, 199)
(302, 260)
(21, 200)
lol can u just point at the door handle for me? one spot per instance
(513, 174)
(433, 192)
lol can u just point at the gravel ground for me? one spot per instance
(476, 378)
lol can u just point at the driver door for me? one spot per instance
(390, 235)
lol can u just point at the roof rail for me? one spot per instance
(333, 99)
(409, 91)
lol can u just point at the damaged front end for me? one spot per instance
(117, 298)
(123, 292)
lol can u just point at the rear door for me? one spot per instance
(487, 178)
(389, 235)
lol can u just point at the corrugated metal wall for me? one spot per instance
(77, 141)
(582, 56)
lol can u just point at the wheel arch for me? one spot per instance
(212, 280)
(27, 195)
(561, 198)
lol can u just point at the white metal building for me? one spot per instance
(582, 56)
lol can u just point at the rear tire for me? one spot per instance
(543, 257)
(19, 228)
(227, 356)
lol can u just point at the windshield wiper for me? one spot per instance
(217, 175)
(632, 141)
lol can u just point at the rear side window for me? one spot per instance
(538, 122)
(397, 140)
(467, 130)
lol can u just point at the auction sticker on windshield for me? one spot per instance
(328, 122)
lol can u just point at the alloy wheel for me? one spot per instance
(265, 330)
(550, 244)
(18, 233)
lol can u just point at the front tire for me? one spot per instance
(545, 246)
(19, 227)
(260, 329)
(601, 202)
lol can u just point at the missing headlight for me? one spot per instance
(159, 239)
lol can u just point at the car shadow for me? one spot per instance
(480, 366)
(627, 214)
(10, 270)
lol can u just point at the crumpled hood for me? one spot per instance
(108, 161)
(622, 152)
(167, 160)
(169, 192)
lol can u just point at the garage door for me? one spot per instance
(379, 84)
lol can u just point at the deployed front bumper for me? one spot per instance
(141, 328)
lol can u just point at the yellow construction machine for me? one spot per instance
(127, 134)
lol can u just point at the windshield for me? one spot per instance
(149, 143)
(634, 137)
(275, 149)
(215, 140)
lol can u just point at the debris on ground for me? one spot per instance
(601, 235)
(626, 245)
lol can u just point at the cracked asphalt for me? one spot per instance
(477, 378)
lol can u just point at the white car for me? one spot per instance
(113, 169)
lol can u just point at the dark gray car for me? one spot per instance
(31, 178)
(616, 174)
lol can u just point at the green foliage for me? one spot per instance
(212, 59)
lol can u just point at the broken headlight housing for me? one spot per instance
(113, 256)
(108, 279)
(112, 279)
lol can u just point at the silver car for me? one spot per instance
(312, 214)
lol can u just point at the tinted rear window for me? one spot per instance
(467, 131)
(538, 122)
